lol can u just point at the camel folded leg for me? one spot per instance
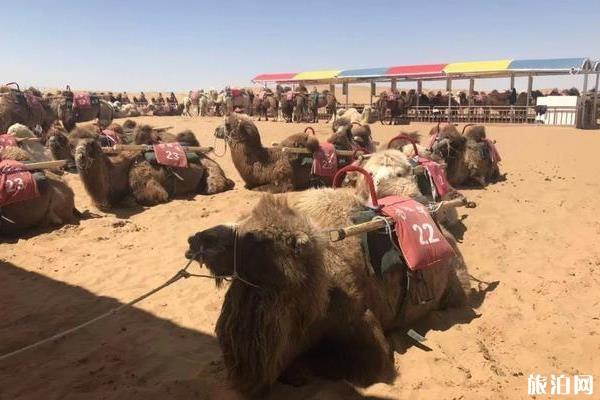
(215, 179)
(358, 352)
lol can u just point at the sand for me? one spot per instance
(534, 237)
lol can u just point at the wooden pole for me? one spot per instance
(302, 150)
(45, 165)
(144, 147)
(373, 225)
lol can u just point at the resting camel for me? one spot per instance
(26, 107)
(69, 113)
(300, 304)
(269, 169)
(110, 179)
(395, 175)
(32, 143)
(54, 207)
(468, 156)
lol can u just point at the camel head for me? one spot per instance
(187, 138)
(476, 157)
(392, 174)
(281, 289)
(87, 147)
(274, 248)
(238, 128)
(59, 145)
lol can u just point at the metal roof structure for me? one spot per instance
(457, 70)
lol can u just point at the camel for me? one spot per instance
(407, 147)
(299, 304)
(359, 134)
(269, 169)
(108, 180)
(70, 113)
(236, 98)
(468, 156)
(35, 149)
(264, 104)
(317, 100)
(55, 205)
(26, 107)
(394, 174)
(353, 115)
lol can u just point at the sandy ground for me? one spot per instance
(535, 236)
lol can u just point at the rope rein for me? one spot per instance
(183, 273)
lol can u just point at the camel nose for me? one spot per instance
(190, 255)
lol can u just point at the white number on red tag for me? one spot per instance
(423, 230)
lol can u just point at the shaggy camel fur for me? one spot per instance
(151, 184)
(27, 107)
(269, 169)
(105, 178)
(109, 179)
(54, 207)
(466, 155)
(316, 306)
(36, 150)
(393, 175)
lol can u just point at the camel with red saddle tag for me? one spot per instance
(31, 197)
(321, 290)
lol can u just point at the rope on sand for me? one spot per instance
(183, 273)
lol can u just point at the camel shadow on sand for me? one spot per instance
(130, 355)
(445, 319)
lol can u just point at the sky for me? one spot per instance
(180, 45)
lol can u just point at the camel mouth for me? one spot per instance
(220, 132)
(82, 161)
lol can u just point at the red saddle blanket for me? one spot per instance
(325, 162)
(494, 154)
(7, 141)
(236, 92)
(419, 238)
(170, 155)
(289, 96)
(112, 136)
(437, 174)
(195, 95)
(16, 183)
(82, 100)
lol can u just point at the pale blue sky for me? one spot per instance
(176, 45)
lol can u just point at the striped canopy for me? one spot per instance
(477, 67)
(471, 69)
(316, 75)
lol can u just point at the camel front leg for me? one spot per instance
(357, 351)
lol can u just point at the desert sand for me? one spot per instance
(534, 238)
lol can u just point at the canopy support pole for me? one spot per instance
(595, 107)
(419, 91)
(471, 90)
(582, 101)
(394, 83)
(449, 91)
(529, 88)
(372, 92)
(512, 106)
